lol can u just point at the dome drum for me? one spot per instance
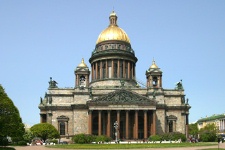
(113, 54)
(120, 46)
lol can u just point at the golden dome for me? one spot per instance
(153, 64)
(82, 64)
(113, 32)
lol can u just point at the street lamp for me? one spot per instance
(116, 129)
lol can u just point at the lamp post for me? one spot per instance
(116, 129)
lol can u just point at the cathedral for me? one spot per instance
(108, 93)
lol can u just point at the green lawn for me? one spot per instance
(130, 146)
(7, 148)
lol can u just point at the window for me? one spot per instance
(82, 81)
(104, 71)
(171, 119)
(154, 81)
(170, 126)
(62, 128)
(63, 124)
(115, 70)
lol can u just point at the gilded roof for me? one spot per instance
(82, 64)
(153, 64)
(113, 31)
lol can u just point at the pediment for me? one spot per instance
(171, 117)
(156, 70)
(123, 97)
(82, 69)
(62, 118)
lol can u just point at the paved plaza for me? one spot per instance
(221, 145)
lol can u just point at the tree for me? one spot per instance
(10, 121)
(28, 136)
(44, 131)
(193, 129)
(208, 133)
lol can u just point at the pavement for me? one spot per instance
(40, 147)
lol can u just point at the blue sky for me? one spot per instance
(43, 39)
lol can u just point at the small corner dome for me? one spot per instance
(153, 65)
(82, 64)
(113, 31)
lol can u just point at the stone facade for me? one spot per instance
(113, 94)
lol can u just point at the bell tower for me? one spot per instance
(154, 76)
(82, 74)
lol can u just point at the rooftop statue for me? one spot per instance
(179, 85)
(52, 83)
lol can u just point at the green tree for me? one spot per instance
(28, 136)
(193, 129)
(44, 131)
(10, 120)
(208, 133)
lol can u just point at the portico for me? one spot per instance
(135, 117)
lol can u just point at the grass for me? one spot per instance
(131, 146)
(7, 148)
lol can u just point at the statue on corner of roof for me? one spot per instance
(179, 85)
(52, 83)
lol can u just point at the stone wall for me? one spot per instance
(160, 121)
(66, 113)
(181, 120)
(80, 121)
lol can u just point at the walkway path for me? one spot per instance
(221, 145)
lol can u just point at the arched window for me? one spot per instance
(155, 81)
(82, 81)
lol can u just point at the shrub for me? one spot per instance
(177, 135)
(102, 138)
(22, 143)
(52, 141)
(55, 141)
(172, 136)
(155, 138)
(4, 141)
(167, 137)
(83, 138)
(208, 137)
